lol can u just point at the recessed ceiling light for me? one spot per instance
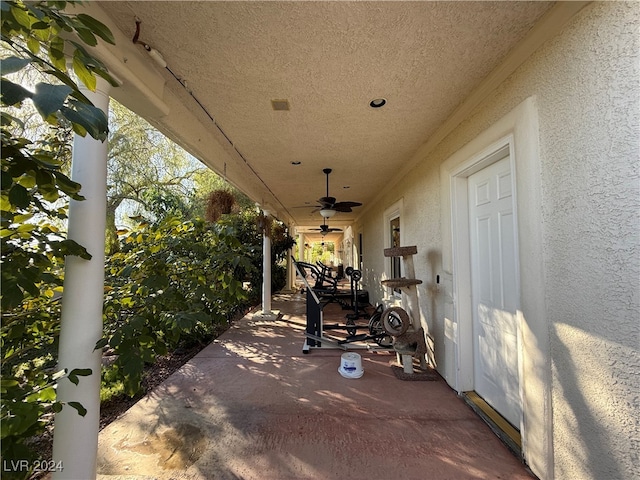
(377, 103)
(296, 163)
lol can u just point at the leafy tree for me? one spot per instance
(322, 252)
(35, 35)
(147, 172)
(245, 224)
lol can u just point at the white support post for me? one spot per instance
(266, 274)
(301, 247)
(291, 276)
(75, 442)
(266, 313)
(290, 281)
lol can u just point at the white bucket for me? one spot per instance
(351, 365)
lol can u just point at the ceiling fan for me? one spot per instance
(324, 228)
(328, 205)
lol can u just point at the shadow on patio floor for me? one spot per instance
(252, 406)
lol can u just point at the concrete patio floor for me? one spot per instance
(252, 406)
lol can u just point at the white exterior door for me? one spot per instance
(494, 289)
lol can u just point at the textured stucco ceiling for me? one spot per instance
(328, 59)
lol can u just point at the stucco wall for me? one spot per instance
(586, 86)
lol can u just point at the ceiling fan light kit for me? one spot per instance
(327, 212)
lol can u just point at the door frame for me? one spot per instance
(519, 130)
(462, 254)
(462, 238)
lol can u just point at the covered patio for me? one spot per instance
(252, 406)
(425, 112)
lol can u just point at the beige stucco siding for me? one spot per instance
(585, 86)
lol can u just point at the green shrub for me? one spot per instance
(172, 282)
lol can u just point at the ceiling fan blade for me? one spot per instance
(346, 204)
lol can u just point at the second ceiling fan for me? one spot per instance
(325, 229)
(328, 206)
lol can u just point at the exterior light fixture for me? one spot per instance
(377, 103)
(296, 162)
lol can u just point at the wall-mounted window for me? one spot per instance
(393, 238)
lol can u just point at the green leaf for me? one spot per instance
(8, 382)
(56, 54)
(22, 17)
(47, 161)
(13, 64)
(133, 367)
(49, 194)
(46, 395)
(81, 410)
(44, 178)
(64, 78)
(41, 26)
(65, 184)
(70, 247)
(34, 45)
(78, 372)
(79, 129)
(97, 27)
(49, 98)
(83, 73)
(91, 118)
(87, 36)
(112, 81)
(19, 196)
(12, 94)
(27, 180)
(12, 295)
(26, 227)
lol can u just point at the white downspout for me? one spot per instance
(75, 442)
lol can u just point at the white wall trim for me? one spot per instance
(519, 130)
